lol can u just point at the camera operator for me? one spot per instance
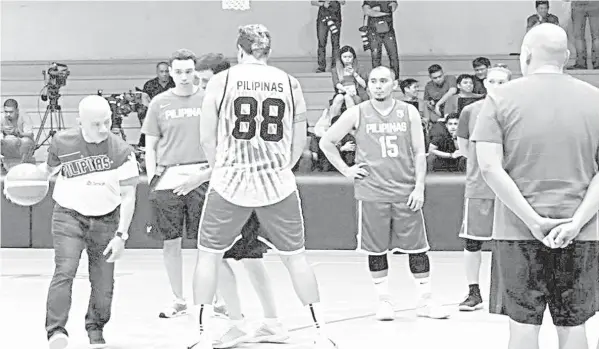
(328, 20)
(16, 136)
(380, 26)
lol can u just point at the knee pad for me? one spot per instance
(378, 263)
(473, 245)
(419, 263)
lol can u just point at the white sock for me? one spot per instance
(317, 315)
(202, 313)
(424, 287)
(381, 285)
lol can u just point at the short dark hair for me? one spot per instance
(464, 77)
(452, 116)
(161, 63)
(11, 103)
(480, 61)
(539, 3)
(434, 68)
(406, 84)
(183, 55)
(216, 62)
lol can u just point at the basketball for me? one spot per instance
(25, 185)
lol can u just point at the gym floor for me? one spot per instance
(347, 292)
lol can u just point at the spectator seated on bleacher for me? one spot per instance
(16, 138)
(437, 91)
(465, 84)
(347, 145)
(542, 15)
(409, 88)
(349, 83)
(480, 65)
(443, 152)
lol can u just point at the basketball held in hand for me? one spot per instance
(26, 185)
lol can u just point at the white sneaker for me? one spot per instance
(231, 338)
(323, 342)
(269, 334)
(58, 340)
(177, 308)
(385, 312)
(430, 309)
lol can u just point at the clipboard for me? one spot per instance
(173, 176)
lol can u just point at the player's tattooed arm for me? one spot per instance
(209, 118)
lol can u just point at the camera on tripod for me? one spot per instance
(54, 78)
(121, 105)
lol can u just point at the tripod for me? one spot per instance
(54, 111)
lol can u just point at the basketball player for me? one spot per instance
(477, 224)
(253, 130)
(389, 186)
(248, 249)
(94, 204)
(537, 144)
(173, 150)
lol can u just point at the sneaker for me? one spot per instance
(471, 303)
(178, 308)
(269, 334)
(385, 312)
(231, 338)
(220, 311)
(428, 308)
(323, 342)
(96, 339)
(58, 340)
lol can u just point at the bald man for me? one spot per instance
(537, 144)
(94, 202)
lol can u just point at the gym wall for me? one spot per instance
(100, 30)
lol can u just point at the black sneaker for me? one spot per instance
(471, 303)
(96, 339)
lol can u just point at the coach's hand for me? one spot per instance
(356, 171)
(115, 247)
(416, 199)
(544, 226)
(562, 235)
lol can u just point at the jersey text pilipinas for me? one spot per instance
(384, 144)
(255, 133)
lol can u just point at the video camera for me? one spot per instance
(54, 78)
(121, 106)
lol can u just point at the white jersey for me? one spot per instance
(255, 134)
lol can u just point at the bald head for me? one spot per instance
(382, 70)
(95, 118)
(545, 44)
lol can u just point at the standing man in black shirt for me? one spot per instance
(380, 24)
(328, 20)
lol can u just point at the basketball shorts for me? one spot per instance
(384, 226)
(478, 219)
(248, 247)
(173, 216)
(281, 224)
(533, 276)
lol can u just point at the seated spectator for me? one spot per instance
(347, 146)
(437, 92)
(542, 15)
(480, 66)
(16, 139)
(349, 84)
(465, 86)
(153, 87)
(443, 152)
(409, 88)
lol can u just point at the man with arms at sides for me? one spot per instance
(389, 180)
(253, 130)
(477, 224)
(94, 204)
(537, 144)
(173, 150)
(248, 249)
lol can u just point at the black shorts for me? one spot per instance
(172, 214)
(532, 276)
(248, 246)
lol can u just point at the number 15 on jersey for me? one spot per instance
(389, 147)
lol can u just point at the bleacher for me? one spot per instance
(23, 81)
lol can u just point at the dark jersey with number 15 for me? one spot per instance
(255, 134)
